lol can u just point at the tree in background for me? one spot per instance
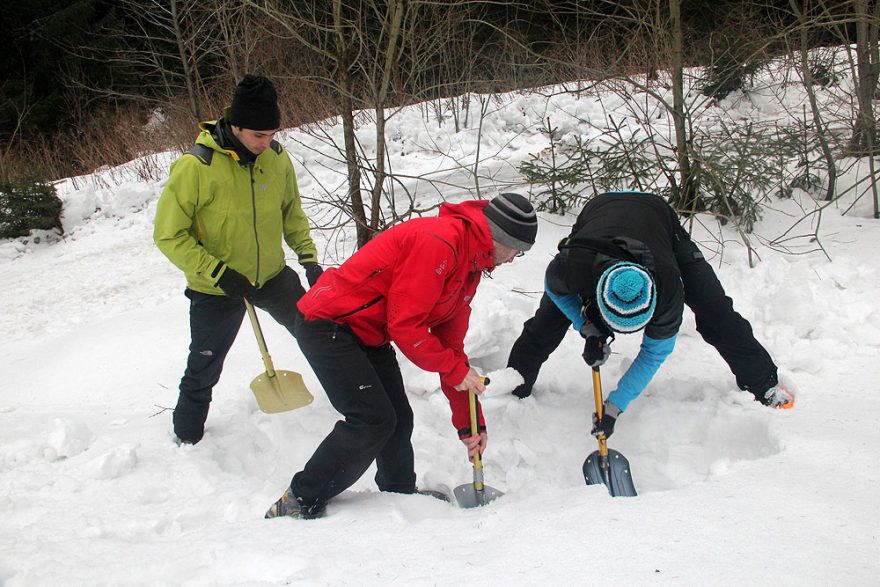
(35, 99)
(367, 58)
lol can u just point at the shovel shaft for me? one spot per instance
(597, 396)
(478, 480)
(477, 493)
(478, 464)
(261, 342)
(597, 391)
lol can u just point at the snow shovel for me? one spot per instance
(276, 391)
(607, 465)
(471, 495)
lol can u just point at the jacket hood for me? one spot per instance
(481, 246)
(217, 135)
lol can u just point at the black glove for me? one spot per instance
(313, 272)
(605, 426)
(597, 347)
(234, 284)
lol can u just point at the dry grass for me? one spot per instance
(112, 137)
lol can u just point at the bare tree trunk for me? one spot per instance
(865, 129)
(184, 61)
(352, 163)
(392, 53)
(807, 74)
(685, 199)
(484, 107)
(353, 168)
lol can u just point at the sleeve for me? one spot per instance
(461, 411)
(296, 223)
(652, 354)
(414, 292)
(176, 227)
(452, 333)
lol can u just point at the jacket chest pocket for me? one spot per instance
(212, 217)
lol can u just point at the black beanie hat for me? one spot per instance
(512, 221)
(255, 104)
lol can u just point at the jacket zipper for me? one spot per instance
(356, 310)
(256, 234)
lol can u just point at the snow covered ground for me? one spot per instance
(93, 490)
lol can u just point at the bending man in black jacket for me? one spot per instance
(629, 265)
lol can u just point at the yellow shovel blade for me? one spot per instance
(281, 393)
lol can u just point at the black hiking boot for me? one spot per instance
(294, 507)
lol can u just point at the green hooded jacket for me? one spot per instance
(215, 212)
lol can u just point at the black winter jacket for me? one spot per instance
(628, 226)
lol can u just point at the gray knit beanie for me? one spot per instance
(512, 221)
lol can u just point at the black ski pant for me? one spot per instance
(717, 321)
(364, 384)
(214, 322)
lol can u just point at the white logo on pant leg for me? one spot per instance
(207, 353)
(364, 386)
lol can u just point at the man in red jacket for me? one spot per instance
(411, 285)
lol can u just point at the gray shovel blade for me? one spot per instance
(467, 495)
(620, 482)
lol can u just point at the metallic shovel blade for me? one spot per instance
(613, 471)
(469, 496)
(283, 391)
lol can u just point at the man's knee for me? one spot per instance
(375, 430)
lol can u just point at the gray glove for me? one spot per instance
(597, 347)
(605, 426)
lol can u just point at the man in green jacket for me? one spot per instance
(221, 218)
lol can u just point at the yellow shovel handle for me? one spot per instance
(597, 395)
(258, 332)
(472, 401)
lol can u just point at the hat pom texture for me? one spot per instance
(626, 297)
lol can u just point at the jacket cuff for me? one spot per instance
(612, 410)
(461, 410)
(218, 271)
(465, 432)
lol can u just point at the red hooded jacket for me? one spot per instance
(413, 285)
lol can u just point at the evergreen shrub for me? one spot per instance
(28, 204)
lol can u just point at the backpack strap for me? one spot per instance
(202, 153)
(605, 246)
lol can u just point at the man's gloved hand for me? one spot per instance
(605, 426)
(313, 272)
(234, 284)
(597, 347)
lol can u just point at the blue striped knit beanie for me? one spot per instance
(626, 297)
